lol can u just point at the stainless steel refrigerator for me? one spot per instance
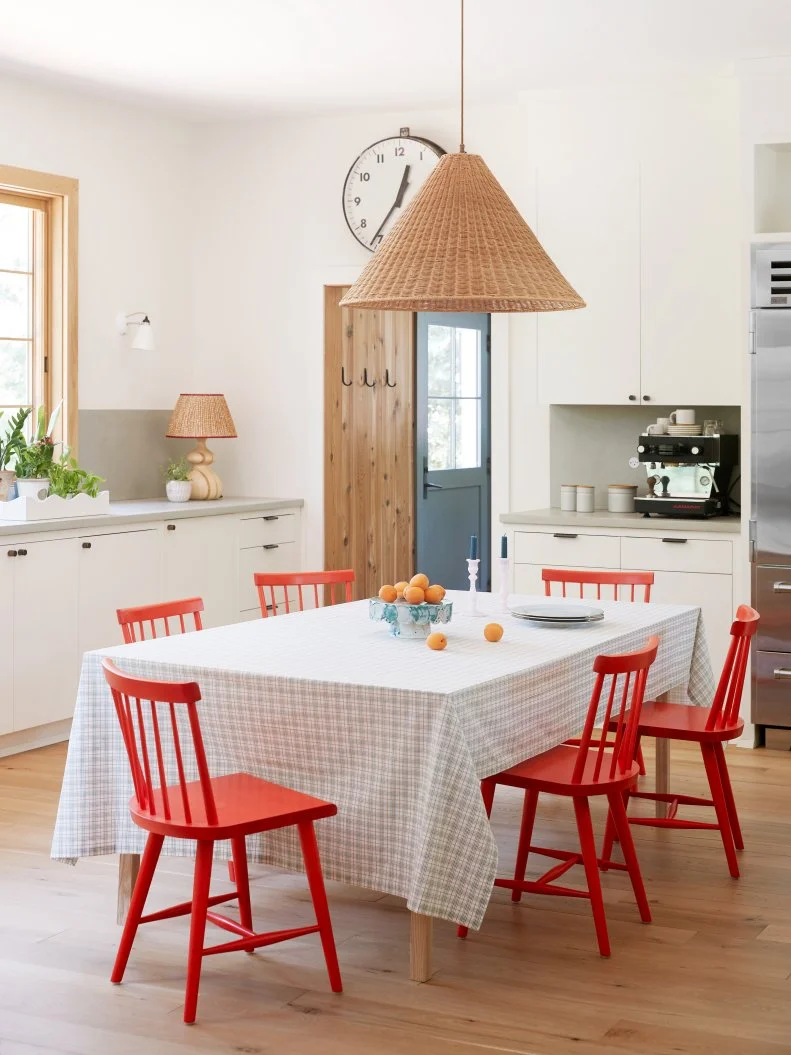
(770, 524)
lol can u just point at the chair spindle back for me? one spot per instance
(724, 710)
(581, 579)
(140, 624)
(273, 589)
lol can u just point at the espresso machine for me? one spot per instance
(687, 476)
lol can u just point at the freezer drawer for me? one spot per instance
(772, 598)
(772, 688)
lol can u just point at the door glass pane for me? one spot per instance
(440, 361)
(468, 362)
(15, 372)
(467, 424)
(15, 318)
(440, 434)
(16, 234)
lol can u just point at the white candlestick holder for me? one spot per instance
(472, 575)
(504, 568)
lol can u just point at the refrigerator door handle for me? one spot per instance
(782, 587)
(782, 673)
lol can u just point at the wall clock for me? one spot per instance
(382, 182)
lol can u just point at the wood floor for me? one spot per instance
(711, 975)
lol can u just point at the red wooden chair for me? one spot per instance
(580, 773)
(207, 810)
(300, 579)
(573, 577)
(711, 729)
(567, 577)
(136, 621)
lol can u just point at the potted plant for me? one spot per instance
(10, 445)
(35, 458)
(66, 479)
(177, 482)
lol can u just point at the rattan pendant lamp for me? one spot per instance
(461, 245)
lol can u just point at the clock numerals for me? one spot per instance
(363, 223)
(399, 152)
(380, 159)
(377, 238)
(357, 201)
(365, 176)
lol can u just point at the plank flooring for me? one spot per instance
(710, 976)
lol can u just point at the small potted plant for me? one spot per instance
(67, 479)
(177, 482)
(34, 459)
(10, 445)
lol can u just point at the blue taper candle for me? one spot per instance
(504, 546)
(473, 547)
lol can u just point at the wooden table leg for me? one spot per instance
(128, 867)
(420, 942)
(662, 763)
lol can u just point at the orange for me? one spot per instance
(388, 593)
(414, 595)
(436, 641)
(435, 593)
(492, 631)
(400, 587)
(420, 580)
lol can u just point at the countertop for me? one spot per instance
(147, 510)
(631, 521)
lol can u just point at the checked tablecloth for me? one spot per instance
(396, 735)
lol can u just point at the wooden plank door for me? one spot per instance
(368, 443)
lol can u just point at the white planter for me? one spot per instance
(179, 490)
(35, 487)
(55, 508)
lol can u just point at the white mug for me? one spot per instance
(682, 417)
(664, 422)
(655, 429)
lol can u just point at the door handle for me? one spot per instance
(277, 517)
(426, 485)
(782, 673)
(86, 545)
(676, 541)
(22, 552)
(272, 545)
(564, 534)
(171, 527)
(433, 487)
(12, 553)
(782, 587)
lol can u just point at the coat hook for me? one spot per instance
(366, 382)
(387, 380)
(344, 382)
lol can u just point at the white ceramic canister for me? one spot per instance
(568, 497)
(585, 495)
(620, 498)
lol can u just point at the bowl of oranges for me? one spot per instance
(411, 609)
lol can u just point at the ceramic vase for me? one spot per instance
(178, 490)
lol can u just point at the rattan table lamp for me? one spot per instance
(202, 416)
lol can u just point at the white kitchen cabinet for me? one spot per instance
(567, 549)
(6, 639)
(200, 560)
(116, 571)
(714, 594)
(273, 558)
(46, 658)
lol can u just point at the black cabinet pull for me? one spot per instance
(272, 545)
(632, 398)
(86, 545)
(677, 541)
(277, 517)
(171, 527)
(12, 553)
(563, 534)
(647, 399)
(22, 552)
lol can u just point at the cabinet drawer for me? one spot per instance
(282, 557)
(567, 549)
(695, 555)
(268, 529)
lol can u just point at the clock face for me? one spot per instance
(382, 182)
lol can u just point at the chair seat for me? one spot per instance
(245, 804)
(680, 721)
(552, 772)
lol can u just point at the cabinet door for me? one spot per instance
(46, 658)
(714, 594)
(589, 223)
(273, 558)
(6, 639)
(116, 571)
(200, 560)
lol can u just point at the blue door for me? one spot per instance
(452, 444)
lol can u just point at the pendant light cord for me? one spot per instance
(461, 143)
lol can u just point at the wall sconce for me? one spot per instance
(144, 338)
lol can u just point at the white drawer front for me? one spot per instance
(693, 555)
(282, 557)
(267, 529)
(713, 593)
(567, 549)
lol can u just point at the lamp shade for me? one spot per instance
(200, 415)
(144, 338)
(462, 245)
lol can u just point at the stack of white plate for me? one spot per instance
(555, 615)
(684, 430)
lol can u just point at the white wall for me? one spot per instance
(135, 231)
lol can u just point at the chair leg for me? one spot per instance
(525, 836)
(721, 807)
(200, 899)
(588, 848)
(239, 864)
(310, 853)
(488, 788)
(231, 872)
(621, 822)
(611, 835)
(639, 758)
(137, 904)
(730, 802)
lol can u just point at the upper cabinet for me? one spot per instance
(639, 205)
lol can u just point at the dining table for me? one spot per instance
(396, 734)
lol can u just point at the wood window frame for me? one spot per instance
(58, 198)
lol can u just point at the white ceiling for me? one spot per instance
(208, 57)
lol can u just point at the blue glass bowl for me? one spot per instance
(410, 620)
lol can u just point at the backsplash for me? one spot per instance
(128, 448)
(593, 445)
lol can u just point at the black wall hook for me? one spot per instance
(344, 382)
(366, 382)
(387, 380)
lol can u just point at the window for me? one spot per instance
(38, 286)
(454, 397)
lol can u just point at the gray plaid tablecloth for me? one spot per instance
(396, 735)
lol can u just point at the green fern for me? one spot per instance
(14, 439)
